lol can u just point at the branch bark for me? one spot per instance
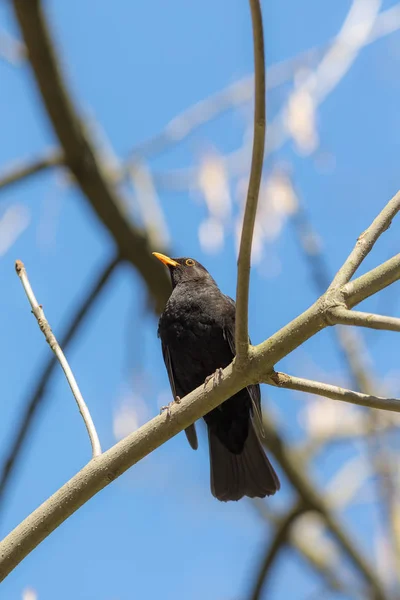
(375, 280)
(334, 392)
(358, 318)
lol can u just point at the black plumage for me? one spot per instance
(197, 331)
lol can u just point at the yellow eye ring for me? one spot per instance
(189, 262)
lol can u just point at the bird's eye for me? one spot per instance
(189, 262)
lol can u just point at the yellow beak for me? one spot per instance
(166, 260)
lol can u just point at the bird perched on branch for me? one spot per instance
(197, 331)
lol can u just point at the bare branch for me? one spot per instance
(342, 316)
(278, 542)
(372, 282)
(332, 391)
(366, 242)
(35, 398)
(199, 402)
(80, 154)
(19, 172)
(111, 464)
(243, 279)
(54, 345)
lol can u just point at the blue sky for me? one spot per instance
(133, 67)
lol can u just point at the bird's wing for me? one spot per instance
(254, 390)
(191, 430)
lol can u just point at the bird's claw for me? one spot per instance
(167, 408)
(217, 377)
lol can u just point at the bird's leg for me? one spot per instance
(217, 377)
(167, 408)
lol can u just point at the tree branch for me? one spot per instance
(317, 558)
(35, 399)
(342, 316)
(80, 154)
(278, 543)
(19, 172)
(295, 471)
(113, 463)
(366, 242)
(45, 328)
(334, 392)
(243, 279)
(372, 282)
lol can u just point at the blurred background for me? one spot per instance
(126, 127)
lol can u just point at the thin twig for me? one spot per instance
(366, 242)
(334, 392)
(20, 172)
(358, 318)
(51, 340)
(243, 279)
(280, 539)
(35, 397)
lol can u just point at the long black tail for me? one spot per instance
(246, 474)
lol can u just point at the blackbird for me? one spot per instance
(197, 331)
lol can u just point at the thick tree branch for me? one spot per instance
(79, 151)
(45, 328)
(243, 279)
(334, 392)
(35, 398)
(342, 316)
(110, 465)
(20, 172)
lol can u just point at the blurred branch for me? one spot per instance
(296, 472)
(45, 328)
(353, 351)
(80, 153)
(317, 558)
(279, 540)
(18, 173)
(362, 319)
(334, 392)
(35, 399)
(356, 33)
(243, 274)
(240, 92)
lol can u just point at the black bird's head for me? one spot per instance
(185, 270)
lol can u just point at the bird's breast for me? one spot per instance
(193, 331)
